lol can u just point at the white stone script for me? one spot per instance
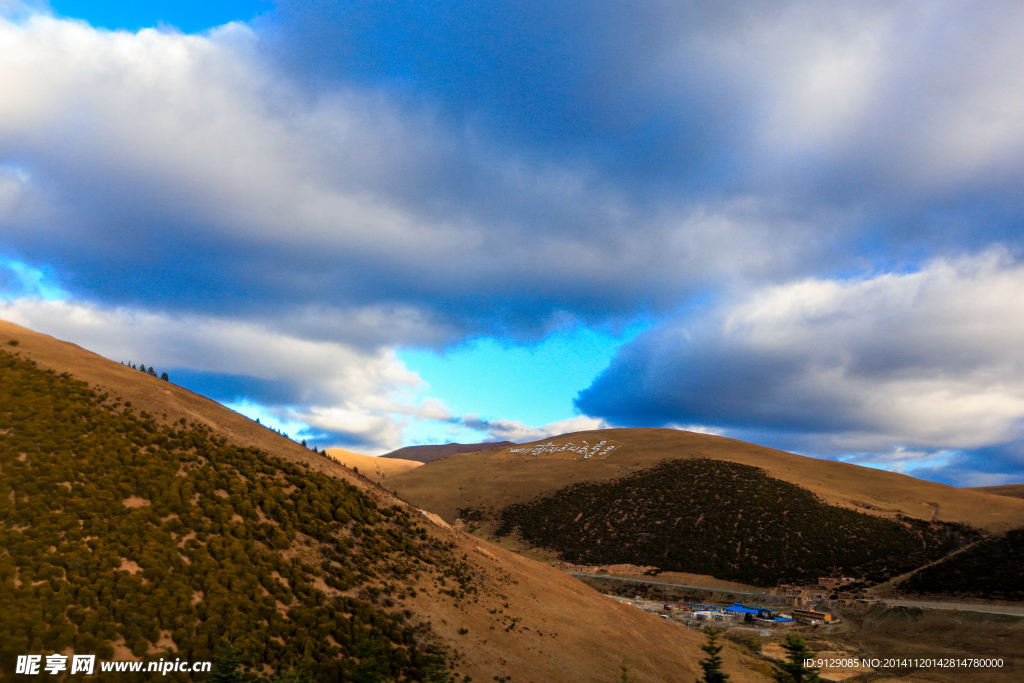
(569, 450)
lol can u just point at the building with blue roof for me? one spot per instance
(738, 608)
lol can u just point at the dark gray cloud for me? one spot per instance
(371, 175)
(339, 392)
(891, 369)
(496, 169)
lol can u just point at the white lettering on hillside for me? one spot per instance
(568, 450)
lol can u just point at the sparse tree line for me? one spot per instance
(114, 528)
(149, 371)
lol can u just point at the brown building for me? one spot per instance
(834, 581)
(810, 616)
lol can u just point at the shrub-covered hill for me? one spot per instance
(118, 533)
(497, 614)
(728, 520)
(993, 569)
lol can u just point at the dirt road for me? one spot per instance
(1013, 610)
(962, 606)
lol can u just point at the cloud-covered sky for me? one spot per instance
(792, 222)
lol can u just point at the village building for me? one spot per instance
(835, 582)
(809, 616)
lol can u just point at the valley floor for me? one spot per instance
(906, 631)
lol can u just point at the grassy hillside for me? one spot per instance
(119, 531)
(725, 519)
(495, 614)
(427, 454)
(1011, 490)
(376, 469)
(991, 569)
(501, 477)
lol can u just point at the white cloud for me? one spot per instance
(192, 150)
(932, 357)
(697, 429)
(897, 369)
(512, 430)
(897, 97)
(367, 396)
(190, 154)
(702, 146)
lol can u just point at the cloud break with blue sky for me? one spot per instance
(384, 224)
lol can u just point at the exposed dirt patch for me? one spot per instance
(130, 567)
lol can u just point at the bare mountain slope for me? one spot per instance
(166, 401)
(427, 454)
(376, 469)
(500, 477)
(518, 619)
(1011, 490)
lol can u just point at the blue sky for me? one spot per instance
(188, 16)
(375, 225)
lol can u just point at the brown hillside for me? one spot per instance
(497, 478)
(1011, 490)
(166, 401)
(530, 623)
(427, 454)
(376, 469)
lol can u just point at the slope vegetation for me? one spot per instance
(728, 520)
(150, 534)
(500, 477)
(991, 569)
(209, 544)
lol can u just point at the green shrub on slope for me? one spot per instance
(728, 520)
(991, 569)
(169, 540)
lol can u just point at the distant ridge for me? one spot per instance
(427, 454)
(373, 468)
(1011, 490)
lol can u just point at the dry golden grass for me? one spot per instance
(1011, 490)
(166, 401)
(497, 478)
(374, 469)
(567, 631)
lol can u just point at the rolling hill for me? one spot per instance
(427, 454)
(726, 520)
(499, 477)
(376, 469)
(139, 520)
(1012, 490)
(656, 497)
